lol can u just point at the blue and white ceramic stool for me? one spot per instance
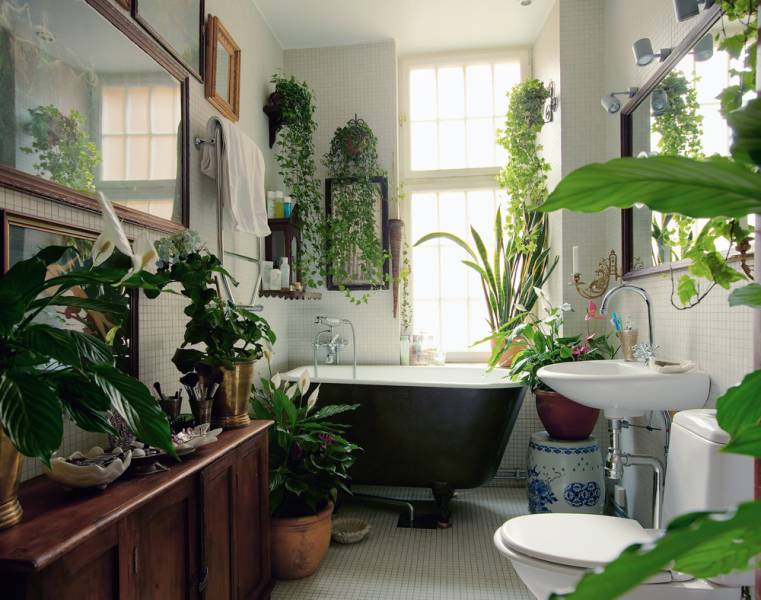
(565, 477)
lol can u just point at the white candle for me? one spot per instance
(576, 260)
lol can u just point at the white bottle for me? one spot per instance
(266, 271)
(271, 198)
(285, 273)
(275, 279)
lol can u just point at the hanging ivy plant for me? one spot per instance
(295, 157)
(352, 243)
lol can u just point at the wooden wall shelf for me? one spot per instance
(288, 295)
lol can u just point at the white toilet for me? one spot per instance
(551, 552)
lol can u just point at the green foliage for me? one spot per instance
(742, 45)
(309, 455)
(295, 157)
(65, 153)
(739, 414)
(750, 295)
(230, 333)
(405, 309)
(45, 371)
(351, 240)
(680, 125)
(543, 345)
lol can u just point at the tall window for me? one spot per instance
(451, 110)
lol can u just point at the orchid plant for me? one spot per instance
(46, 371)
(309, 455)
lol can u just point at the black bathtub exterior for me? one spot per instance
(442, 438)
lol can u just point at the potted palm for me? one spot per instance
(543, 345)
(309, 463)
(234, 337)
(46, 371)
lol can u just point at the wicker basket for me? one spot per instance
(349, 531)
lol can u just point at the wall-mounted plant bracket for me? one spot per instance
(274, 111)
(551, 105)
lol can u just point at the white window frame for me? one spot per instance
(446, 179)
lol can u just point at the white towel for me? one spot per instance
(242, 170)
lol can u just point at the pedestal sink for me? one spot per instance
(626, 389)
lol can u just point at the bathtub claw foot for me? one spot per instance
(443, 494)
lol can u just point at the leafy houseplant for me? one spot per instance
(66, 154)
(543, 345)
(352, 244)
(309, 463)
(46, 371)
(704, 544)
(295, 158)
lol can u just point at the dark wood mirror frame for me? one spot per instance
(705, 22)
(42, 188)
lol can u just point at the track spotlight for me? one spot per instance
(659, 101)
(686, 9)
(644, 53)
(612, 104)
(703, 50)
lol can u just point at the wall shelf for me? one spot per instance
(290, 295)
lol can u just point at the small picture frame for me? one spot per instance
(222, 85)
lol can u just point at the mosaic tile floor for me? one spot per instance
(420, 564)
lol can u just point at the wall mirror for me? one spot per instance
(677, 113)
(74, 122)
(222, 69)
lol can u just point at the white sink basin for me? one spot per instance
(626, 389)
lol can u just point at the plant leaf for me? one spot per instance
(749, 295)
(17, 288)
(448, 236)
(738, 412)
(746, 124)
(669, 184)
(686, 289)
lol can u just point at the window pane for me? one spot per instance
(113, 158)
(137, 110)
(452, 145)
(454, 335)
(422, 94)
(481, 142)
(112, 120)
(424, 146)
(138, 157)
(481, 211)
(424, 215)
(454, 272)
(500, 154)
(163, 119)
(506, 75)
(164, 153)
(479, 91)
(451, 95)
(426, 267)
(427, 317)
(452, 214)
(477, 325)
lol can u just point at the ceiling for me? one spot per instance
(416, 25)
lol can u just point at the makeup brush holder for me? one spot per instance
(171, 406)
(628, 339)
(201, 410)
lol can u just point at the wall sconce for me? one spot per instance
(552, 103)
(644, 53)
(612, 104)
(686, 9)
(606, 268)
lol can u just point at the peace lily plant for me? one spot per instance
(704, 544)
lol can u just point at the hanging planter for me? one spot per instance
(396, 230)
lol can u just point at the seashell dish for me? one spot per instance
(96, 468)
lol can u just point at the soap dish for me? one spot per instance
(96, 468)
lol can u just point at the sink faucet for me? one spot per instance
(333, 342)
(628, 287)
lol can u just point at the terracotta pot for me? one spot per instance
(508, 357)
(300, 544)
(10, 475)
(230, 408)
(563, 418)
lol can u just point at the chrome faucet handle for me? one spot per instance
(645, 352)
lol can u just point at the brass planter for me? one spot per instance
(10, 475)
(231, 401)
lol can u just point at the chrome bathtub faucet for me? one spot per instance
(333, 342)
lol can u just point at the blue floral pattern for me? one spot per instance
(582, 494)
(540, 493)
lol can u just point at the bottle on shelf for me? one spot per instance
(285, 273)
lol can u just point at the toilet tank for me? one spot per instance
(701, 477)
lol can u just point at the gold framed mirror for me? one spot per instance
(222, 69)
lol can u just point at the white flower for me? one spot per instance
(313, 398)
(267, 353)
(304, 382)
(112, 236)
(291, 391)
(566, 307)
(276, 381)
(144, 255)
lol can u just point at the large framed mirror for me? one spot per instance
(75, 122)
(677, 112)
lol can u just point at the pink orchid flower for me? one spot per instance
(592, 314)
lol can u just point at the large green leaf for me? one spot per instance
(746, 124)
(701, 544)
(30, 414)
(749, 295)
(670, 184)
(132, 400)
(739, 413)
(91, 348)
(18, 287)
(49, 341)
(96, 304)
(447, 236)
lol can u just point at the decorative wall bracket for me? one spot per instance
(274, 111)
(551, 105)
(606, 268)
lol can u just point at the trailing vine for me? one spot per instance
(297, 168)
(352, 245)
(405, 307)
(740, 45)
(680, 125)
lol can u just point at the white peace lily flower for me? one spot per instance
(313, 398)
(304, 382)
(112, 236)
(144, 255)
(277, 380)
(267, 353)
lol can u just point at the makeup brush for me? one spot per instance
(157, 387)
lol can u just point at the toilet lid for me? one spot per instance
(575, 540)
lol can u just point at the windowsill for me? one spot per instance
(679, 265)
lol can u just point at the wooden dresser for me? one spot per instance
(198, 530)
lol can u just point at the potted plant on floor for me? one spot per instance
(47, 371)
(563, 418)
(234, 337)
(309, 462)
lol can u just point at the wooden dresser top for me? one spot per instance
(56, 520)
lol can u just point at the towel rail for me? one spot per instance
(198, 141)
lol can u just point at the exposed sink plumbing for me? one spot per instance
(333, 342)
